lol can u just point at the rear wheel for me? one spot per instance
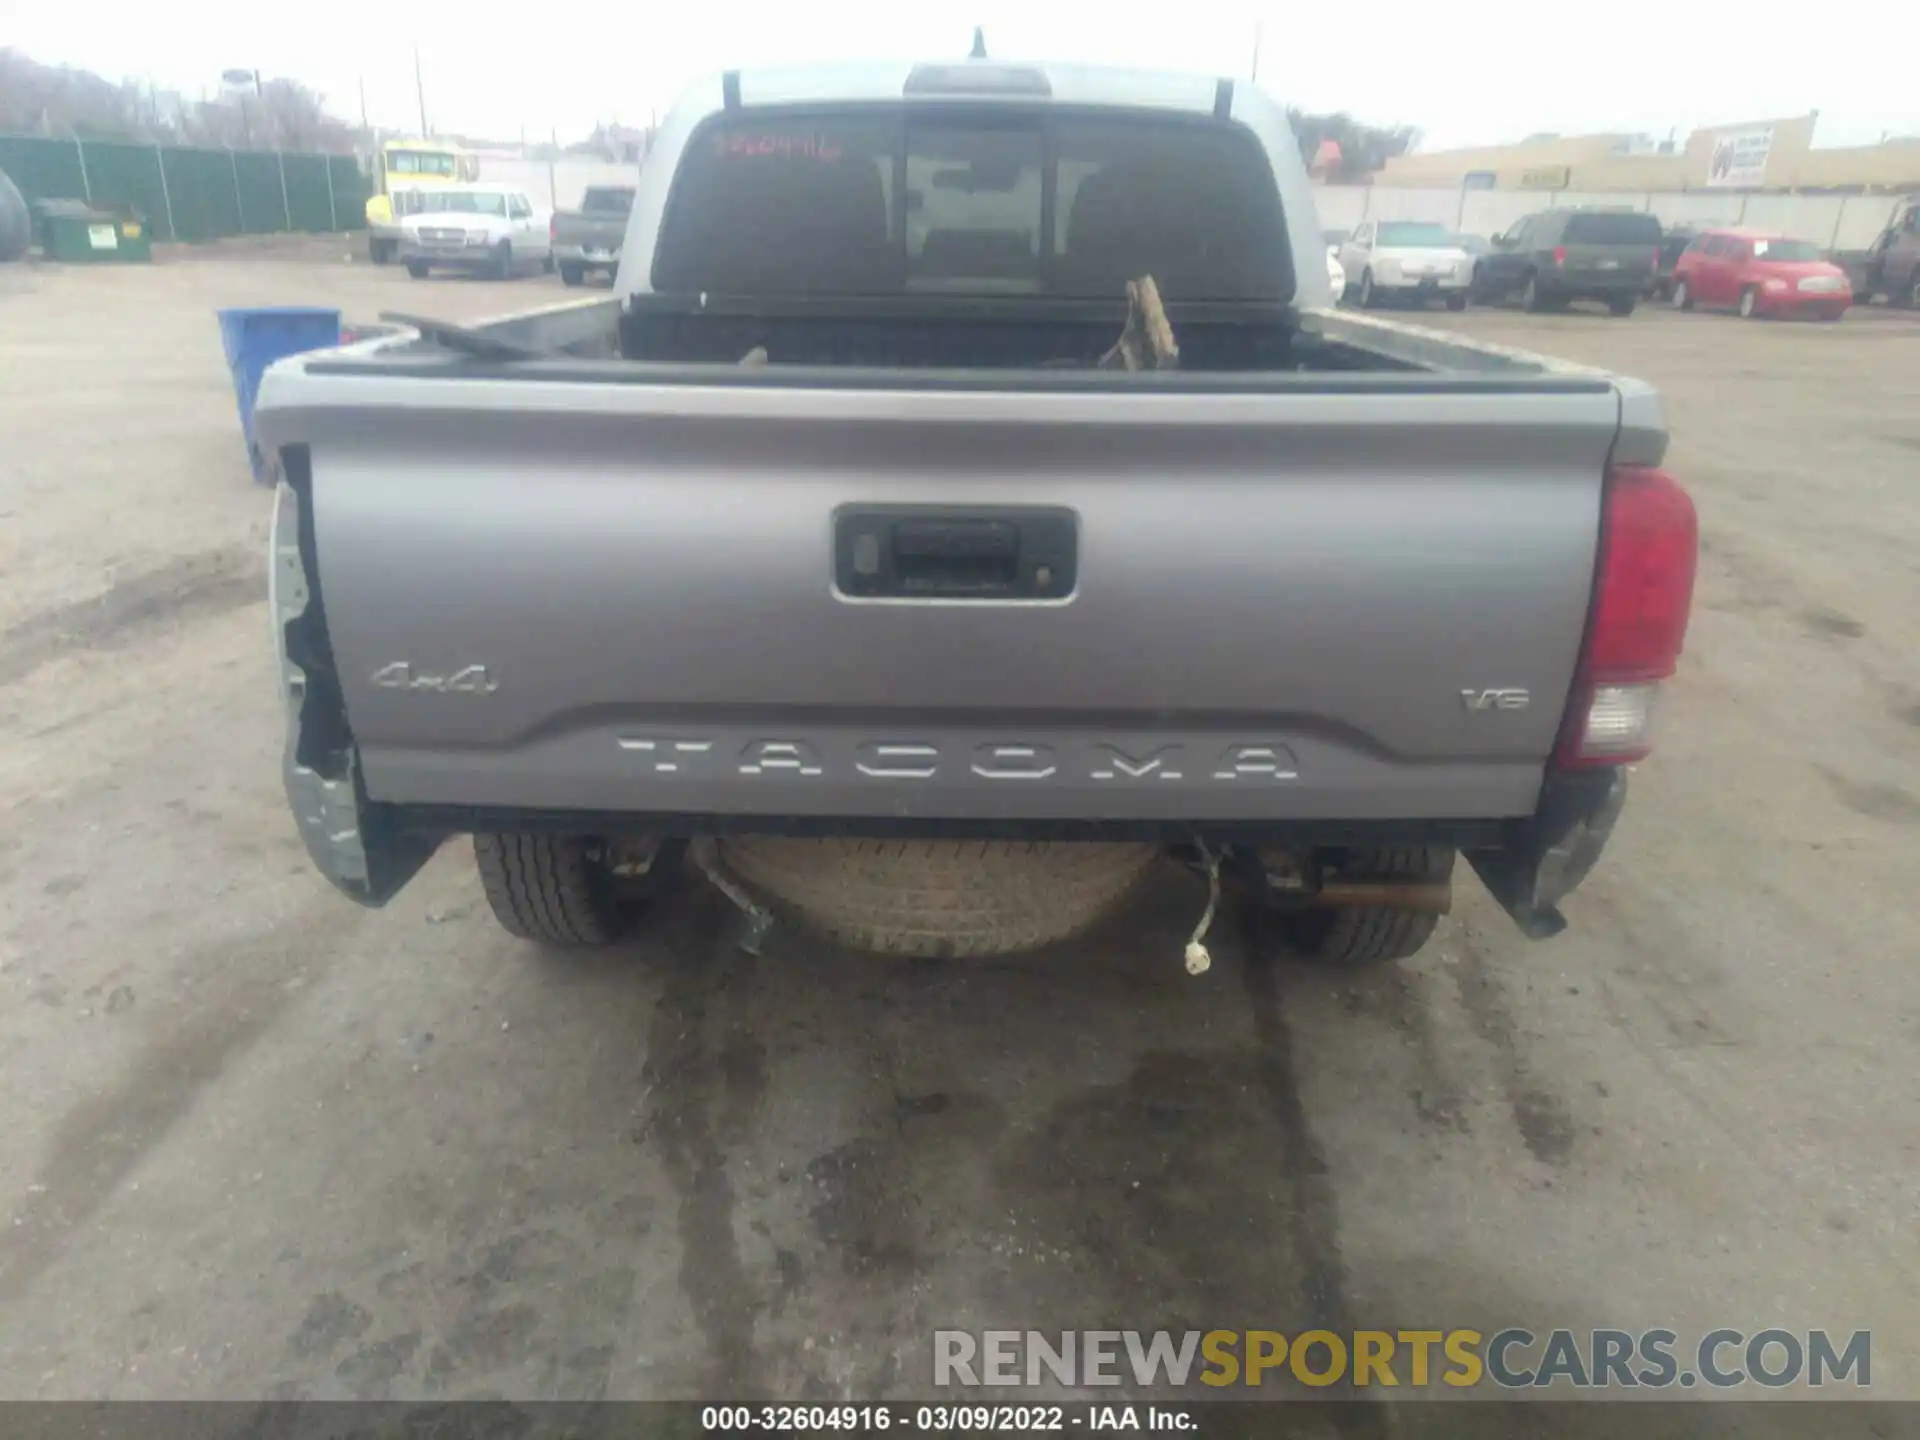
(1357, 935)
(502, 266)
(1682, 298)
(417, 269)
(1533, 299)
(1369, 297)
(1457, 302)
(570, 890)
(1750, 304)
(1621, 305)
(571, 274)
(380, 251)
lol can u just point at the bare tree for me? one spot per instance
(59, 100)
(1363, 148)
(296, 118)
(217, 123)
(42, 99)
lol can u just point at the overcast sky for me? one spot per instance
(1467, 73)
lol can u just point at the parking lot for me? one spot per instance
(257, 1142)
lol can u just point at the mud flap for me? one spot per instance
(1552, 854)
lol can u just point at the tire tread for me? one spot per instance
(1360, 935)
(544, 887)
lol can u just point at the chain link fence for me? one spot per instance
(184, 193)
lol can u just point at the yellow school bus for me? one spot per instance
(400, 169)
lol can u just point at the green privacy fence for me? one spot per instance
(192, 194)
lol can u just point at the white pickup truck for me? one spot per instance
(477, 229)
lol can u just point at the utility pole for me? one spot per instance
(363, 105)
(1255, 76)
(420, 90)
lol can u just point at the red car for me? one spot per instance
(1759, 275)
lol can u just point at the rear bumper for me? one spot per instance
(585, 255)
(1796, 302)
(472, 259)
(1542, 860)
(448, 257)
(1595, 285)
(1433, 287)
(1529, 865)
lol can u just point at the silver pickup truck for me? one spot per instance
(835, 541)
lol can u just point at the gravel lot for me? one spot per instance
(254, 1141)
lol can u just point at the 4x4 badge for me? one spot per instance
(472, 680)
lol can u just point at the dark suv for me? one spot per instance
(1575, 254)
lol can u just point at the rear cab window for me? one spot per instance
(1415, 235)
(1623, 228)
(907, 199)
(606, 200)
(467, 202)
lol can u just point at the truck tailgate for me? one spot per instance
(596, 232)
(1336, 600)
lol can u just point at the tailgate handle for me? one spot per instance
(969, 553)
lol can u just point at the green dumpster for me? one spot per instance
(75, 233)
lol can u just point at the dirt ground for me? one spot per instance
(257, 1142)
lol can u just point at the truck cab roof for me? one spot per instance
(971, 80)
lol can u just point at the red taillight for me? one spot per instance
(1649, 545)
(1559, 254)
(553, 228)
(1656, 257)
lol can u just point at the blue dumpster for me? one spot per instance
(254, 339)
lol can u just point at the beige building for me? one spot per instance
(1753, 155)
